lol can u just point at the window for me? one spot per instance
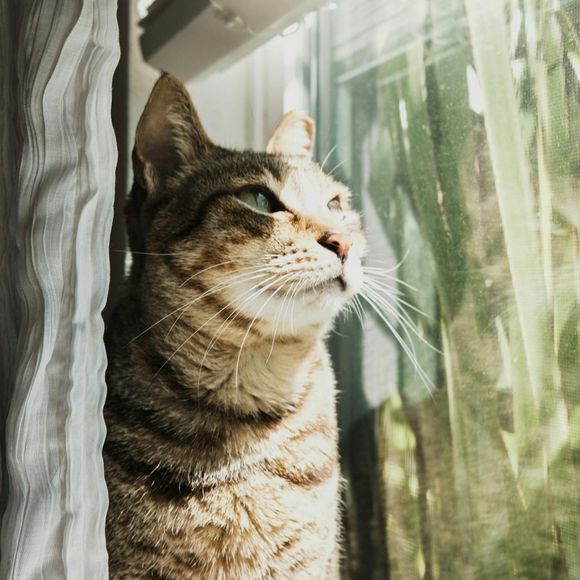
(457, 126)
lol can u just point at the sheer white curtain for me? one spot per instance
(57, 167)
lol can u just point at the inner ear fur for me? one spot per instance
(294, 135)
(169, 136)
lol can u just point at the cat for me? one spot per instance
(221, 452)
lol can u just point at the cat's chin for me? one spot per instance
(319, 309)
(345, 284)
(322, 303)
(310, 309)
(304, 306)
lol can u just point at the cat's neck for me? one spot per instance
(242, 370)
(224, 417)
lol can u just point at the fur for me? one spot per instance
(221, 453)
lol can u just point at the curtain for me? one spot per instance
(57, 172)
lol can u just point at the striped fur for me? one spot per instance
(221, 461)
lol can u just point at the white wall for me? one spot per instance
(241, 105)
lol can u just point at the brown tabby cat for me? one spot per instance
(221, 454)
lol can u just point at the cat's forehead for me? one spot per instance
(305, 187)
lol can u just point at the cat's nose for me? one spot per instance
(337, 243)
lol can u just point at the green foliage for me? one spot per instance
(475, 175)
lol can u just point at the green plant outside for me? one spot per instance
(463, 141)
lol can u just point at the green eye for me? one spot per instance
(334, 204)
(257, 199)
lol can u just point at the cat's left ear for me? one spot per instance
(294, 135)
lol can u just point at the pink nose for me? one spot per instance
(337, 243)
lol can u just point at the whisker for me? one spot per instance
(396, 266)
(186, 305)
(248, 277)
(147, 253)
(235, 314)
(293, 302)
(291, 274)
(257, 268)
(181, 253)
(418, 369)
(191, 336)
(400, 314)
(277, 320)
(378, 287)
(358, 310)
(403, 324)
(327, 157)
(380, 274)
(336, 167)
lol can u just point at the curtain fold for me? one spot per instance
(56, 201)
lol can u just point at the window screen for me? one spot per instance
(457, 126)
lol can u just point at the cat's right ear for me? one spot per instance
(294, 135)
(170, 137)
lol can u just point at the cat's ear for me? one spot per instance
(294, 135)
(169, 135)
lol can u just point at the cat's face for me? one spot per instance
(269, 236)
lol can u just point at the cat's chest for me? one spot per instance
(264, 527)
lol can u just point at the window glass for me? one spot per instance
(457, 126)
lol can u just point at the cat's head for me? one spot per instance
(267, 235)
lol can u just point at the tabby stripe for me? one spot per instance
(200, 403)
(287, 545)
(187, 229)
(319, 425)
(165, 371)
(306, 478)
(128, 412)
(211, 299)
(174, 266)
(149, 547)
(191, 560)
(165, 484)
(212, 425)
(238, 319)
(164, 367)
(158, 575)
(225, 311)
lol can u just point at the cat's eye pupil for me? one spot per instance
(256, 199)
